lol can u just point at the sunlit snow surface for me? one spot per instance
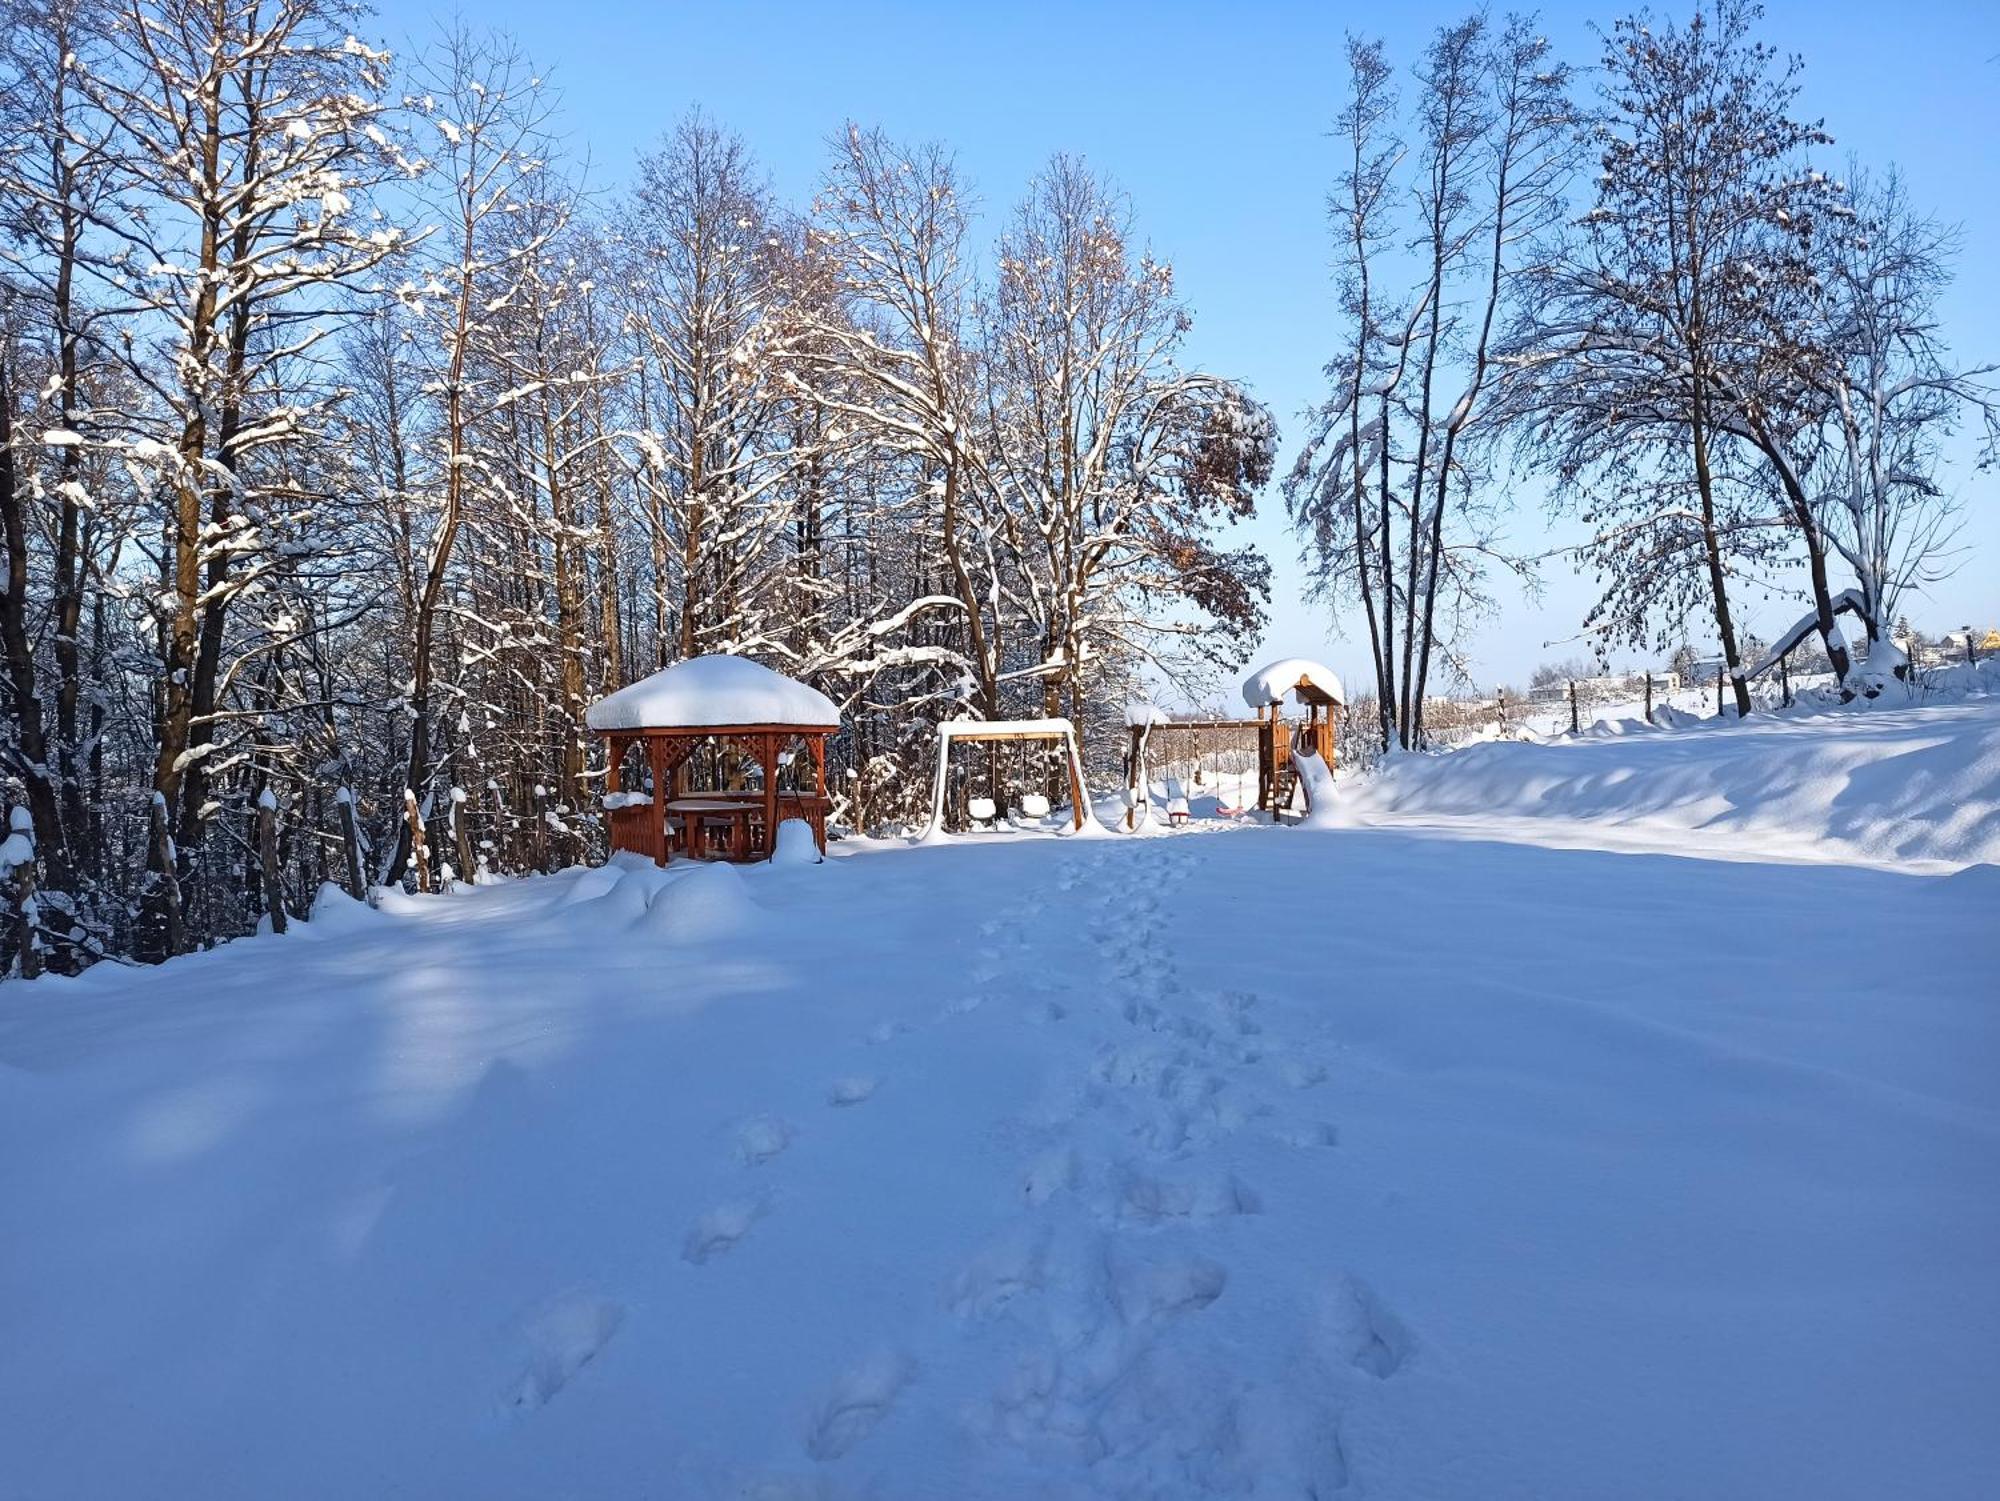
(1441, 1155)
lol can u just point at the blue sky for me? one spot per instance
(1214, 120)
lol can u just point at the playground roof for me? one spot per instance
(711, 693)
(1310, 680)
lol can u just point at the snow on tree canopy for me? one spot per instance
(1269, 685)
(713, 691)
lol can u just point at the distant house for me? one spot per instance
(1951, 645)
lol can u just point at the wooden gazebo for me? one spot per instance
(732, 717)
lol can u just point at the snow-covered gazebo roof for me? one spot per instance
(1313, 682)
(710, 693)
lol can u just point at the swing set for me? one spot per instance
(984, 812)
(1278, 741)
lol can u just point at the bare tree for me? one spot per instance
(1115, 466)
(488, 165)
(1413, 394)
(1878, 369)
(1659, 327)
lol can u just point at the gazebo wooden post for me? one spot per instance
(818, 744)
(614, 778)
(767, 756)
(656, 762)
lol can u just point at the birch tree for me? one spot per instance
(246, 132)
(1386, 493)
(484, 113)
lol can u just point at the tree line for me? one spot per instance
(351, 448)
(1720, 350)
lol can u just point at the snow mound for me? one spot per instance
(1878, 782)
(1978, 883)
(796, 845)
(713, 690)
(336, 914)
(706, 903)
(589, 884)
(1316, 777)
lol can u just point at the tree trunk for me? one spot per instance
(468, 869)
(28, 911)
(267, 855)
(350, 838)
(161, 931)
(420, 855)
(1712, 543)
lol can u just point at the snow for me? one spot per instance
(1608, 1117)
(713, 691)
(1316, 780)
(1910, 785)
(972, 729)
(1143, 716)
(616, 800)
(796, 845)
(1270, 685)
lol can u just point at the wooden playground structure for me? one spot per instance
(1153, 737)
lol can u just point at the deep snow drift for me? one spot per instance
(1898, 784)
(1234, 1161)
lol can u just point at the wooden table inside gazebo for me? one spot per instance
(737, 709)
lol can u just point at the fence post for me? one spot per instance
(1785, 678)
(1572, 706)
(1649, 695)
(1718, 692)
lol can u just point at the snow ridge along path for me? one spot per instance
(1364, 1163)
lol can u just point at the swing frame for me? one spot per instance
(1138, 756)
(990, 731)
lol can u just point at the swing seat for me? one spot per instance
(1177, 810)
(981, 811)
(1034, 805)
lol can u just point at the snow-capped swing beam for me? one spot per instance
(1049, 731)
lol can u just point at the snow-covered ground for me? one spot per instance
(1913, 786)
(1611, 1118)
